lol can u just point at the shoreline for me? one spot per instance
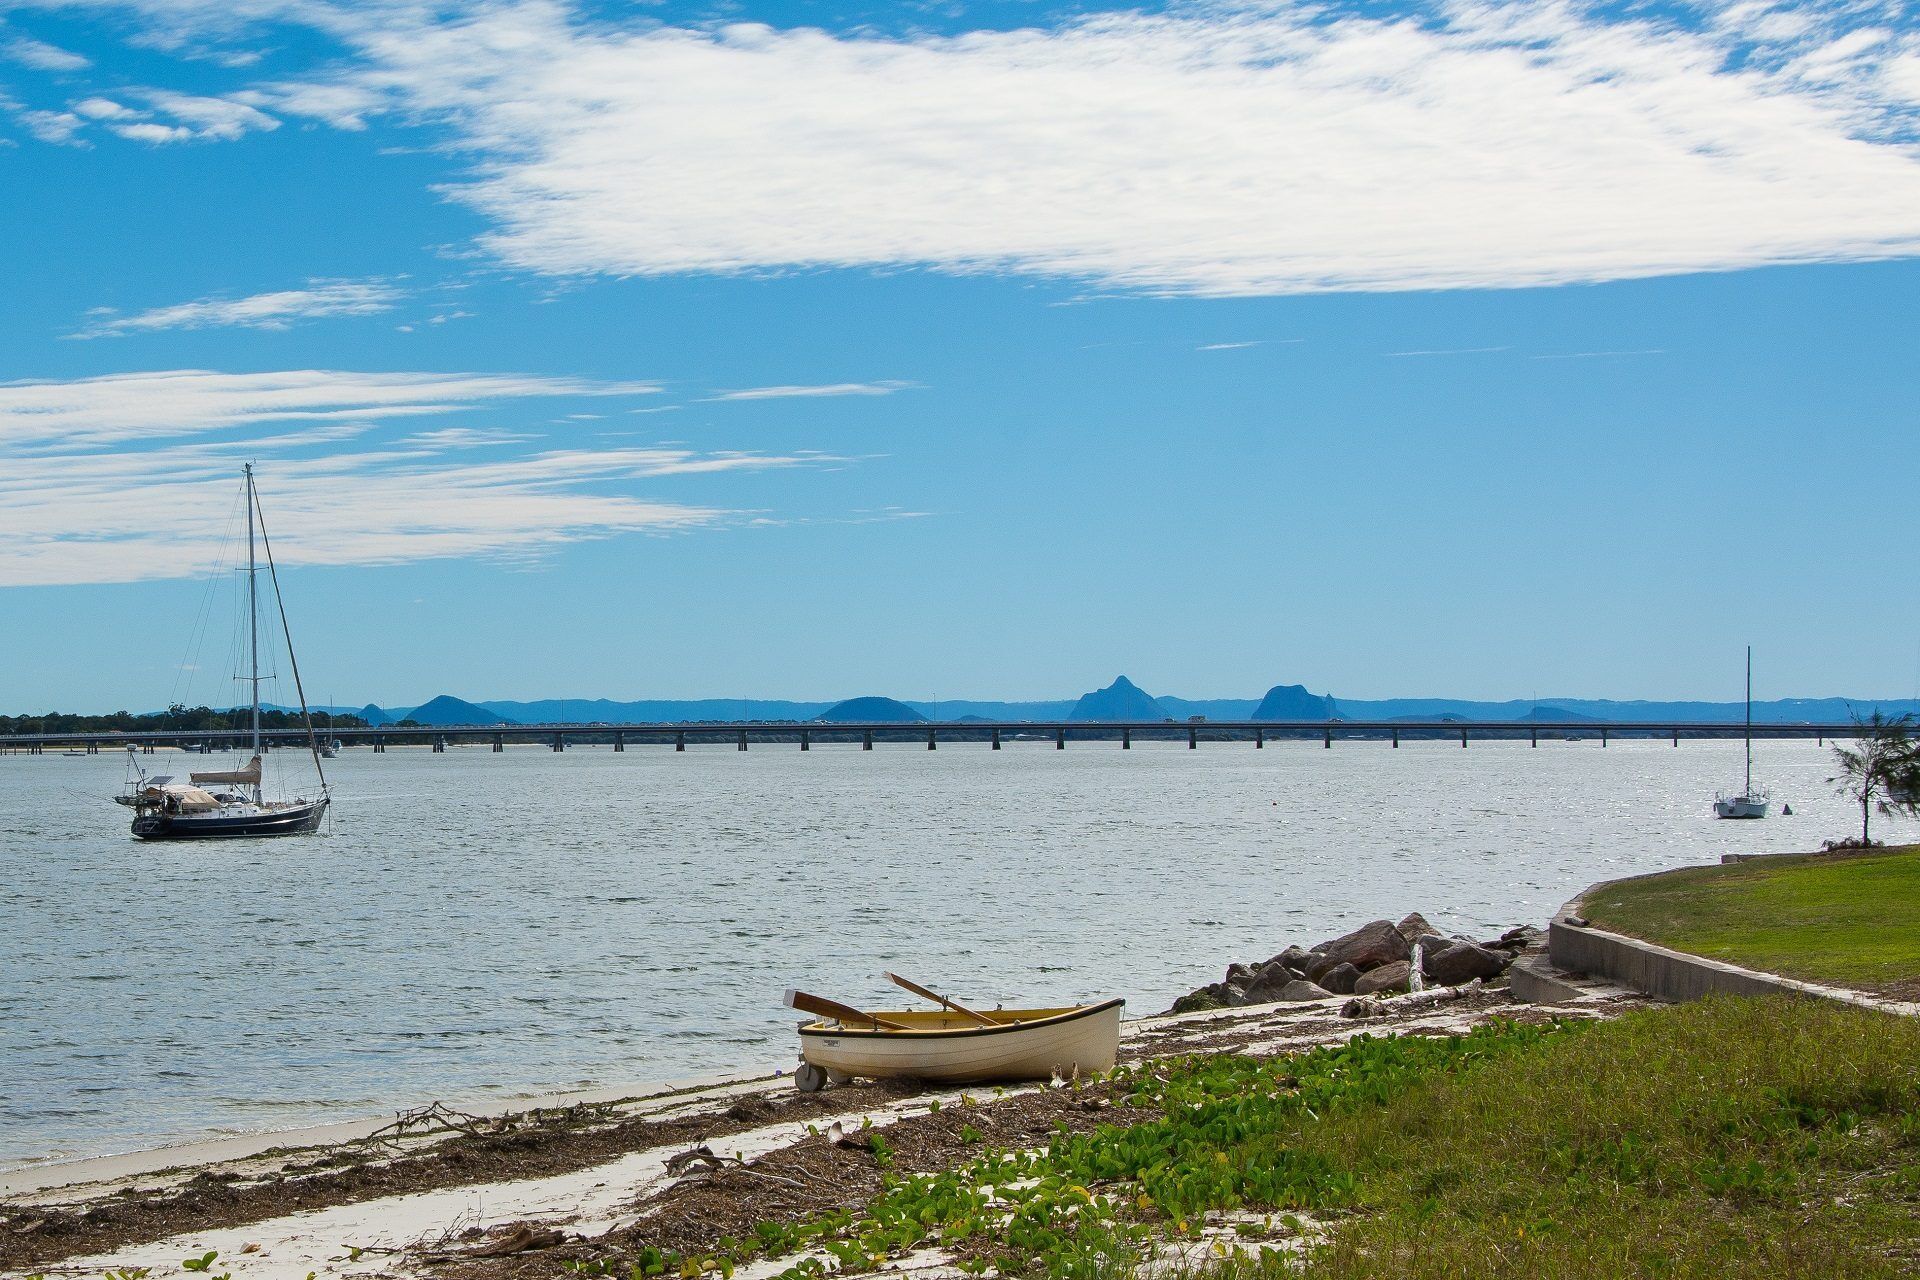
(50, 1174)
(286, 1211)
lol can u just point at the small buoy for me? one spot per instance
(1786, 811)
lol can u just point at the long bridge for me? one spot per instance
(806, 733)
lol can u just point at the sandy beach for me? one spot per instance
(536, 1184)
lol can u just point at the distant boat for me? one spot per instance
(331, 750)
(1752, 801)
(232, 803)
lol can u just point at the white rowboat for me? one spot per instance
(953, 1048)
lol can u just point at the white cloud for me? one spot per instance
(40, 55)
(277, 310)
(806, 391)
(1217, 149)
(91, 412)
(153, 495)
(1227, 346)
(105, 109)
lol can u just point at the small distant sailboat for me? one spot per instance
(231, 803)
(1752, 801)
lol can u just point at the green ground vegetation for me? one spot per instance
(1850, 918)
(1726, 1139)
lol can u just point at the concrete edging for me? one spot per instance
(1578, 947)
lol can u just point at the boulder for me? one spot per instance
(1463, 962)
(1239, 974)
(1388, 977)
(1524, 937)
(1267, 985)
(1295, 958)
(1302, 990)
(1413, 927)
(1368, 947)
(1340, 979)
(1215, 996)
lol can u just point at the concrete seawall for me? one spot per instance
(1578, 947)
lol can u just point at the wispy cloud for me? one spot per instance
(150, 496)
(1214, 148)
(178, 403)
(821, 389)
(1227, 346)
(40, 55)
(277, 310)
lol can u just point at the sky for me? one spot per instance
(811, 350)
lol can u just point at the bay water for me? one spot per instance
(473, 926)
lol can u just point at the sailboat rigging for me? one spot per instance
(1752, 802)
(233, 803)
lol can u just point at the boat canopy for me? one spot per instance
(249, 776)
(190, 799)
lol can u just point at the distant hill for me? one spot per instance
(877, 710)
(1559, 714)
(1121, 700)
(374, 715)
(1293, 702)
(654, 710)
(449, 710)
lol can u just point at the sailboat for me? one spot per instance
(1752, 801)
(232, 803)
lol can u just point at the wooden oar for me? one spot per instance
(941, 1000)
(821, 1007)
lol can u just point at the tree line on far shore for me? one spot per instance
(177, 718)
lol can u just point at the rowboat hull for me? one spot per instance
(1023, 1044)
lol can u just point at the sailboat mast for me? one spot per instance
(1749, 790)
(253, 612)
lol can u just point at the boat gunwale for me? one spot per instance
(821, 1028)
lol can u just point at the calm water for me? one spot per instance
(476, 925)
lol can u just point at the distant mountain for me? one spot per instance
(873, 709)
(1560, 714)
(1121, 700)
(373, 715)
(1293, 702)
(654, 710)
(449, 710)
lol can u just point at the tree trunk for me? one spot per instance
(1866, 812)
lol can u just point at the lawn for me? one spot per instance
(1729, 1139)
(1852, 919)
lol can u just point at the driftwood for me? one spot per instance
(701, 1160)
(521, 1239)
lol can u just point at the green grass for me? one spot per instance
(1852, 919)
(1736, 1139)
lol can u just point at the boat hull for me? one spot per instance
(1740, 807)
(293, 820)
(1028, 1045)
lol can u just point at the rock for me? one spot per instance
(1432, 944)
(1296, 958)
(1240, 974)
(1299, 989)
(1214, 996)
(1388, 977)
(1340, 979)
(1414, 927)
(1269, 983)
(1463, 962)
(1524, 937)
(1368, 947)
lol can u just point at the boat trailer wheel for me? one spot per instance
(808, 1078)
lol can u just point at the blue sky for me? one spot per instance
(967, 350)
